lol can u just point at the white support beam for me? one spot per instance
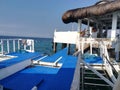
(114, 25)
(14, 45)
(18, 44)
(2, 47)
(79, 25)
(8, 47)
(88, 26)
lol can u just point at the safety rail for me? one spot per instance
(109, 68)
(92, 42)
(76, 80)
(111, 65)
(13, 45)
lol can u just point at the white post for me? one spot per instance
(2, 47)
(24, 44)
(88, 28)
(8, 48)
(79, 25)
(33, 46)
(24, 47)
(18, 44)
(79, 30)
(14, 45)
(90, 45)
(90, 32)
(114, 26)
(82, 45)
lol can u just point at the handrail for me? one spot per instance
(111, 65)
(12, 45)
(108, 66)
(76, 79)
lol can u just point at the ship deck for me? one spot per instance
(43, 77)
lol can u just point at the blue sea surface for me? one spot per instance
(44, 45)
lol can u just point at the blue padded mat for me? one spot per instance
(21, 81)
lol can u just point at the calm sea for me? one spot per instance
(44, 45)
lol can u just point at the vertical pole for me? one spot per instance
(79, 30)
(25, 44)
(32, 45)
(79, 25)
(90, 31)
(90, 46)
(114, 26)
(54, 43)
(13, 45)
(2, 47)
(88, 27)
(8, 48)
(82, 45)
(18, 44)
(54, 46)
(68, 45)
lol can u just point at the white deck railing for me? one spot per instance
(13, 45)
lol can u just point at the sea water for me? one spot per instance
(44, 45)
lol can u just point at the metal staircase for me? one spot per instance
(90, 81)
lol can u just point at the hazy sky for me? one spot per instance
(38, 18)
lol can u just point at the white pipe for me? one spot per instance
(33, 46)
(82, 45)
(114, 25)
(18, 44)
(14, 45)
(2, 48)
(91, 46)
(79, 25)
(8, 48)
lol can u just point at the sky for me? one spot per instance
(37, 18)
